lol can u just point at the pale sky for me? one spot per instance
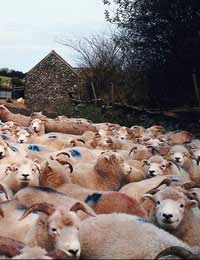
(30, 29)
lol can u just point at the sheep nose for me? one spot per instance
(177, 159)
(167, 216)
(25, 175)
(73, 252)
(151, 172)
(21, 141)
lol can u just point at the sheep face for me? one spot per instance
(36, 125)
(170, 207)
(140, 152)
(63, 227)
(3, 149)
(137, 130)
(155, 130)
(25, 172)
(194, 148)
(23, 136)
(157, 166)
(180, 155)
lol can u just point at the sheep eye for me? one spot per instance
(53, 230)
(181, 206)
(172, 153)
(158, 202)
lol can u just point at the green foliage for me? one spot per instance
(161, 39)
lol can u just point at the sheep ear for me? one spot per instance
(37, 165)
(148, 196)
(80, 206)
(145, 162)
(192, 204)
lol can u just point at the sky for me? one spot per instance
(30, 29)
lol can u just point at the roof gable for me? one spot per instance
(55, 54)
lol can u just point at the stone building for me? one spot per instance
(52, 84)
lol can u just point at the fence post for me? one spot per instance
(94, 92)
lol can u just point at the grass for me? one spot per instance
(5, 82)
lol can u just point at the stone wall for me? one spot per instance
(51, 84)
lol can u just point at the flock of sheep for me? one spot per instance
(72, 189)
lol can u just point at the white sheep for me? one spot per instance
(121, 236)
(173, 212)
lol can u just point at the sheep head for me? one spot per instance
(62, 225)
(54, 174)
(22, 173)
(170, 207)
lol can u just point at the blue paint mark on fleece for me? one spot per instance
(144, 220)
(4, 137)
(93, 198)
(52, 137)
(34, 148)
(175, 180)
(75, 153)
(14, 149)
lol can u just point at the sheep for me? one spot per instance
(100, 201)
(37, 126)
(57, 228)
(23, 135)
(109, 173)
(122, 236)
(194, 148)
(136, 190)
(64, 126)
(179, 137)
(173, 212)
(140, 152)
(137, 130)
(31, 195)
(157, 165)
(6, 115)
(180, 155)
(13, 249)
(155, 131)
(178, 251)
(5, 150)
(5, 193)
(32, 253)
(21, 173)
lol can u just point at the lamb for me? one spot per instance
(127, 237)
(173, 212)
